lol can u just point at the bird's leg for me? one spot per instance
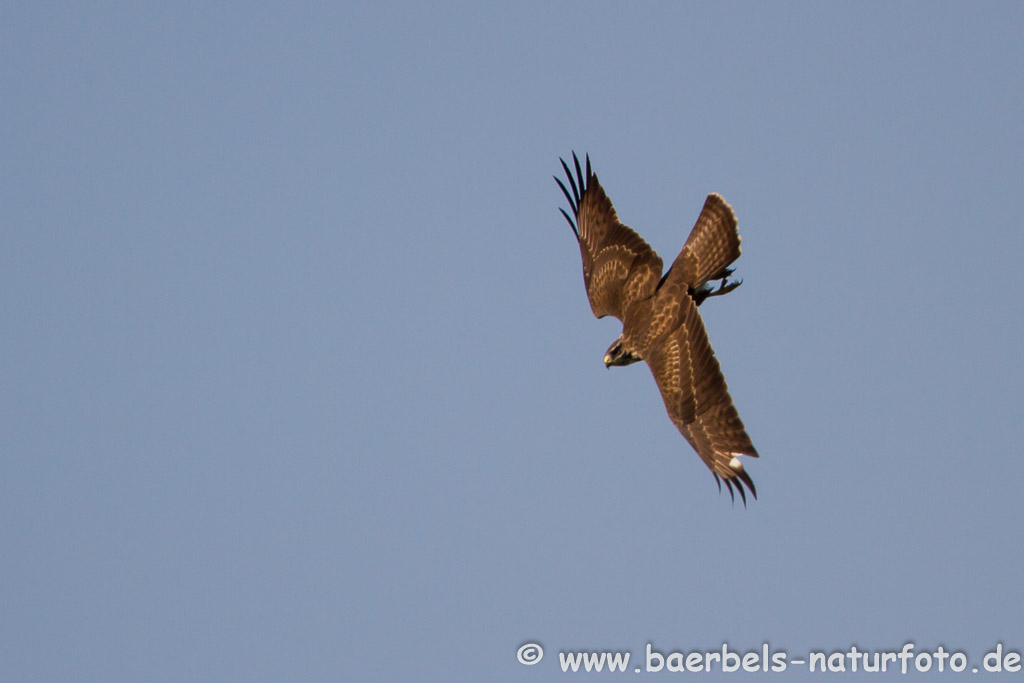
(724, 286)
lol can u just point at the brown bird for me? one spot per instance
(660, 321)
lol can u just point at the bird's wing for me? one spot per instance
(713, 244)
(695, 392)
(619, 267)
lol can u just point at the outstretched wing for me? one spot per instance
(618, 265)
(695, 392)
(713, 244)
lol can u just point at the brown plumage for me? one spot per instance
(660, 320)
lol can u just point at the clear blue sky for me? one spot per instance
(300, 381)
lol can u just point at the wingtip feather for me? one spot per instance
(572, 182)
(750, 483)
(571, 224)
(579, 173)
(573, 205)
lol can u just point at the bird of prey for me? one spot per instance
(660, 321)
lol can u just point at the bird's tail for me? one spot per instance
(713, 243)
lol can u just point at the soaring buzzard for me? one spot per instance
(660, 322)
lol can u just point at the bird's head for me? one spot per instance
(618, 354)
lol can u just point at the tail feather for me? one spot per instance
(713, 244)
